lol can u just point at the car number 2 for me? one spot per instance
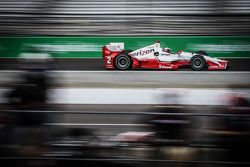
(109, 60)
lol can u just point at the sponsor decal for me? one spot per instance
(108, 60)
(165, 67)
(142, 52)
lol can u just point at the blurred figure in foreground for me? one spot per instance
(238, 128)
(32, 92)
(25, 132)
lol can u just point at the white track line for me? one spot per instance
(180, 72)
(147, 71)
(82, 124)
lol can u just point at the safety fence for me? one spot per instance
(124, 17)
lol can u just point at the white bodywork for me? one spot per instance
(174, 56)
(117, 47)
(148, 53)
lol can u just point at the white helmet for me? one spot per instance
(166, 50)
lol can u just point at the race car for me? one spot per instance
(155, 57)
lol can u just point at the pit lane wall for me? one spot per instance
(90, 47)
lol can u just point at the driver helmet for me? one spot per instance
(167, 50)
(180, 52)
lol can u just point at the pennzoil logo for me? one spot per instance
(142, 52)
(165, 67)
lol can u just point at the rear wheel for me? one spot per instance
(198, 62)
(123, 62)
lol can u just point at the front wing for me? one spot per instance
(216, 64)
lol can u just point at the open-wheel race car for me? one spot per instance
(155, 57)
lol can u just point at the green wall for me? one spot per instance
(90, 47)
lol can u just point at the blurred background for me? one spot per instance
(125, 17)
(60, 107)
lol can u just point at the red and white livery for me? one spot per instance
(155, 57)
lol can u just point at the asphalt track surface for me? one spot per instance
(97, 64)
(110, 124)
(140, 79)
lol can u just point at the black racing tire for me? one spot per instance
(202, 53)
(123, 62)
(198, 63)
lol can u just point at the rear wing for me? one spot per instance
(112, 47)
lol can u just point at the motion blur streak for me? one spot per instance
(51, 117)
(175, 130)
(124, 17)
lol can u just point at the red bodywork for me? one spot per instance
(154, 63)
(109, 56)
(213, 66)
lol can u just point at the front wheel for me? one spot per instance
(198, 63)
(123, 62)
